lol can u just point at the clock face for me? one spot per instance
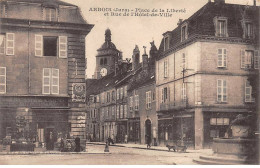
(103, 72)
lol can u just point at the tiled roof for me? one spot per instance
(201, 22)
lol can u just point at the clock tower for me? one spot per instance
(107, 57)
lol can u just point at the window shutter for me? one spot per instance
(2, 79)
(46, 81)
(2, 44)
(62, 46)
(242, 58)
(9, 43)
(168, 94)
(225, 57)
(55, 81)
(38, 45)
(256, 60)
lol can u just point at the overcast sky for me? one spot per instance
(129, 31)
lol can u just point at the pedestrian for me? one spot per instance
(126, 138)
(62, 145)
(77, 143)
(148, 141)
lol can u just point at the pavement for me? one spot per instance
(91, 151)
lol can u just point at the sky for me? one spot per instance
(128, 31)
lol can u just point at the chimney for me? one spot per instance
(254, 2)
(220, 1)
(180, 21)
(145, 60)
(135, 58)
(153, 53)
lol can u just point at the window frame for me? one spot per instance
(248, 86)
(148, 99)
(222, 57)
(7, 44)
(4, 79)
(51, 84)
(222, 94)
(49, 13)
(217, 20)
(184, 32)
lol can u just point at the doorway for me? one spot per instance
(148, 130)
(50, 139)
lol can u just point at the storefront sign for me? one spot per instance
(78, 92)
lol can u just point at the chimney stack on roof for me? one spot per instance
(254, 2)
(135, 58)
(220, 1)
(180, 21)
(145, 59)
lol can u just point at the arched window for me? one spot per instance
(105, 61)
(101, 61)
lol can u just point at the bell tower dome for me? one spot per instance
(106, 57)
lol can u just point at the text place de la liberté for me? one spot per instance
(137, 12)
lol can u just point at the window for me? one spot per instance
(108, 97)
(50, 14)
(220, 26)
(183, 92)
(165, 68)
(246, 59)
(125, 111)
(2, 80)
(2, 44)
(256, 60)
(222, 57)
(101, 61)
(183, 61)
(131, 103)
(164, 95)
(121, 93)
(121, 111)
(154, 95)
(105, 61)
(50, 81)
(117, 111)
(125, 89)
(48, 46)
(248, 30)
(113, 110)
(166, 43)
(113, 95)
(219, 121)
(117, 94)
(9, 43)
(184, 32)
(136, 102)
(148, 99)
(248, 92)
(222, 91)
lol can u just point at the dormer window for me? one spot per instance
(184, 31)
(248, 31)
(50, 14)
(220, 24)
(166, 43)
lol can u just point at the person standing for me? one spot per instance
(77, 143)
(126, 138)
(148, 141)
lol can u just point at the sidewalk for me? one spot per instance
(157, 148)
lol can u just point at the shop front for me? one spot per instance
(176, 128)
(134, 130)
(121, 126)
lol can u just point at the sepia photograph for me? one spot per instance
(129, 82)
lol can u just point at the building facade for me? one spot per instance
(202, 72)
(42, 67)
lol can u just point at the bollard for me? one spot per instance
(106, 147)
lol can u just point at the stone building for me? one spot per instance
(202, 71)
(42, 70)
(114, 96)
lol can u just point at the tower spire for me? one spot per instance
(108, 35)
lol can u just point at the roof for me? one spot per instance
(201, 22)
(41, 1)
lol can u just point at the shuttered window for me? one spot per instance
(222, 57)
(38, 45)
(248, 92)
(2, 80)
(62, 46)
(256, 60)
(10, 43)
(50, 81)
(148, 99)
(222, 91)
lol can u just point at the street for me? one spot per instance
(117, 156)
